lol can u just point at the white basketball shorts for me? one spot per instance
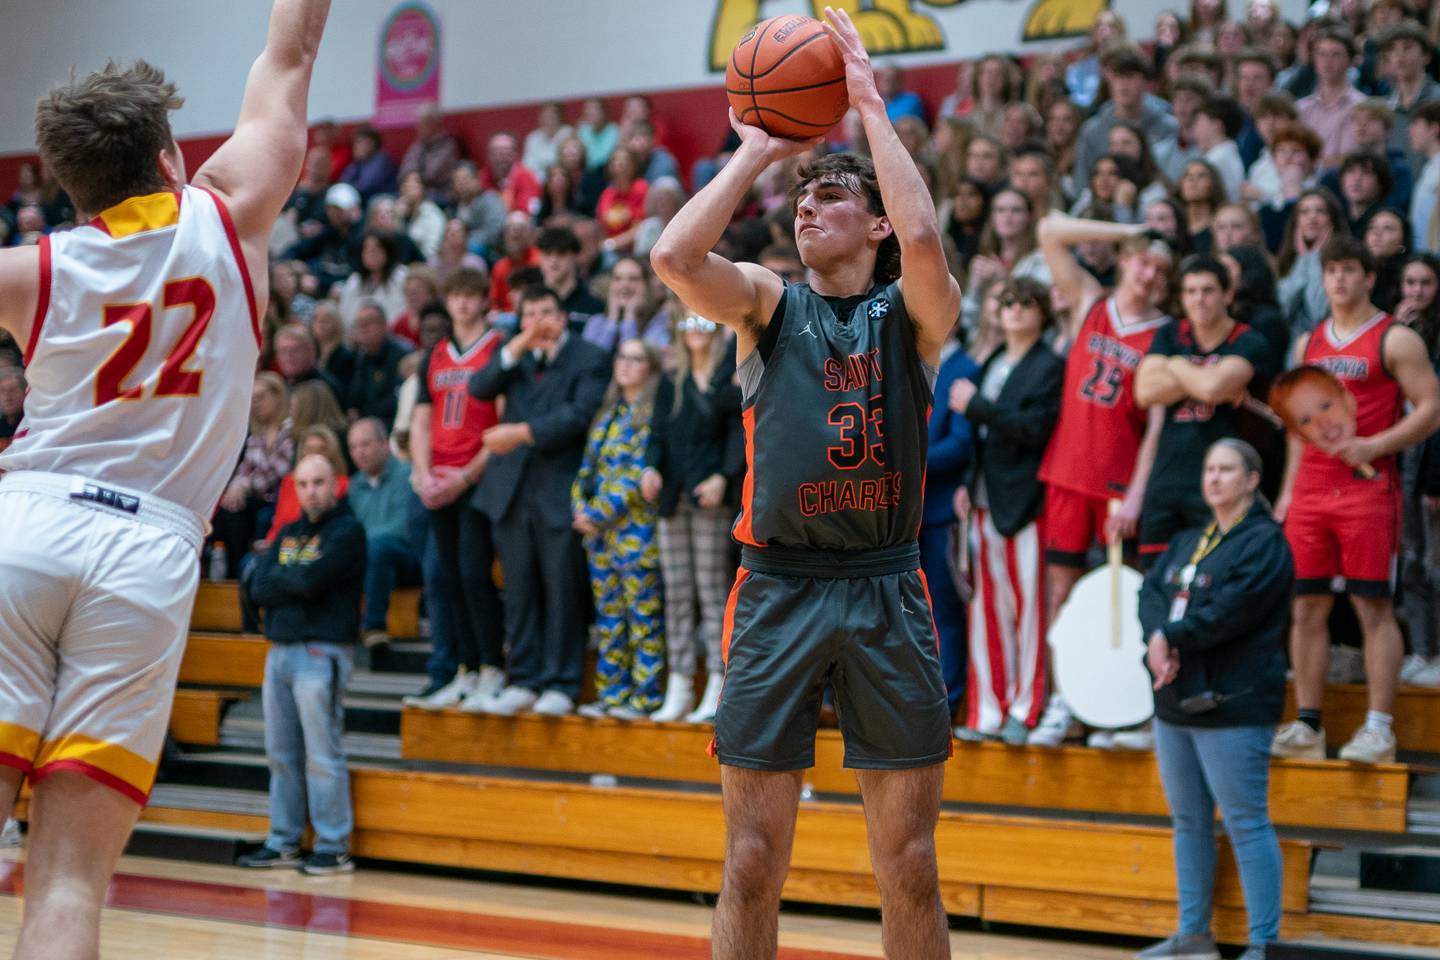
(97, 584)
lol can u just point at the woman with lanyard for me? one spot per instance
(1214, 611)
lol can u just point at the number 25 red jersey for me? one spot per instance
(1097, 437)
(142, 357)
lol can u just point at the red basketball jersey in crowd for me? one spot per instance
(1097, 437)
(1357, 362)
(459, 421)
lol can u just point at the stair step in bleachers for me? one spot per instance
(217, 608)
(1304, 793)
(196, 715)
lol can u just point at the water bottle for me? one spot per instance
(217, 561)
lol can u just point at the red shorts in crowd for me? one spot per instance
(1074, 522)
(1349, 532)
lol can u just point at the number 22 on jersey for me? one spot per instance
(174, 379)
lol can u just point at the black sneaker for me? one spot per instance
(327, 864)
(265, 858)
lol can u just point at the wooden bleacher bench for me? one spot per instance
(196, 715)
(1304, 793)
(227, 659)
(1417, 715)
(217, 609)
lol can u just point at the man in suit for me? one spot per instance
(553, 383)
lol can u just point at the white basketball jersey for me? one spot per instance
(143, 354)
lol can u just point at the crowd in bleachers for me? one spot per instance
(1252, 139)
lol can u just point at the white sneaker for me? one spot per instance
(1370, 746)
(447, 696)
(593, 711)
(1056, 726)
(553, 703)
(1101, 739)
(1430, 676)
(507, 702)
(490, 681)
(1296, 741)
(10, 835)
(679, 699)
(709, 700)
(1141, 739)
(1347, 664)
(1411, 667)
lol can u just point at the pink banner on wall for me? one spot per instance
(407, 75)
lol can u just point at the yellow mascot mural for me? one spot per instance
(895, 26)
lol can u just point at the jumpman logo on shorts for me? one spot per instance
(903, 608)
(809, 328)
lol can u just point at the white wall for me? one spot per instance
(495, 51)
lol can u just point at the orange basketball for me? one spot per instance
(787, 77)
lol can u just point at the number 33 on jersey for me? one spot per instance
(142, 356)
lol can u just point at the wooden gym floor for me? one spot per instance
(186, 911)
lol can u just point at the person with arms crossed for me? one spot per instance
(1104, 443)
(1338, 522)
(837, 375)
(142, 333)
(1198, 367)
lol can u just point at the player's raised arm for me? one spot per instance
(19, 290)
(1058, 233)
(256, 169)
(932, 297)
(743, 295)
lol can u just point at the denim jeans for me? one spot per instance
(304, 696)
(1198, 766)
(390, 562)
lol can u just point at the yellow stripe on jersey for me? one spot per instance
(18, 741)
(139, 214)
(117, 761)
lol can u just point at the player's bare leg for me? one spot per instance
(901, 809)
(78, 829)
(760, 810)
(1384, 649)
(1060, 579)
(1310, 648)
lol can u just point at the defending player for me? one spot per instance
(1340, 524)
(142, 333)
(837, 375)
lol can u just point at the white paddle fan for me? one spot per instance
(1097, 647)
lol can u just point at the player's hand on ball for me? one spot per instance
(859, 76)
(774, 148)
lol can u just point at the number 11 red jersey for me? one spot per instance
(1097, 437)
(458, 421)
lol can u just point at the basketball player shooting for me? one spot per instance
(142, 333)
(837, 375)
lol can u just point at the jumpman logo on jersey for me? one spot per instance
(809, 328)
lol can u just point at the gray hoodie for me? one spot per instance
(1155, 119)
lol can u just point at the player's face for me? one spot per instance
(834, 223)
(1203, 299)
(464, 308)
(1346, 283)
(1322, 416)
(1225, 480)
(315, 486)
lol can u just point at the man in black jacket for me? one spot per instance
(375, 385)
(309, 584)
(553, 383)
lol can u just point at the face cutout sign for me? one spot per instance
(1317, 408)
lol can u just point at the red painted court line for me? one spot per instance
(537, 939)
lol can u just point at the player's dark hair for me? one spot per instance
(1344, 249)
(535, 294)
(467, 280)
(1205, 263)
(857, 175)
(101, 135)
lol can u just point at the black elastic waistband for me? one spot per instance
(831, 564)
